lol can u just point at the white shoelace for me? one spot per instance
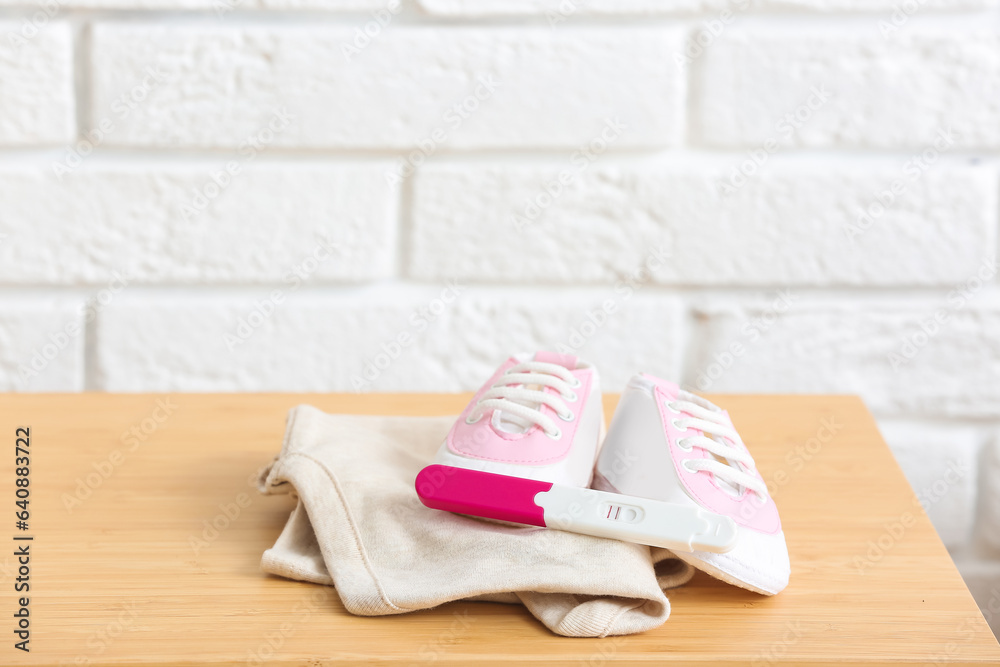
(714, 423)
(514, 395)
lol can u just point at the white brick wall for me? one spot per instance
(338, 195)
(477, 88)
(36, 84)
(923, 360)
(42, 340)
(904, 90)
(439, 338)
(170, 223)
(607, 7)
(511, 223)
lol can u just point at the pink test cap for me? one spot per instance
(483, 494)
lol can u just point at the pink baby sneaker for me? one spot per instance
(670, 445)
(539, 418)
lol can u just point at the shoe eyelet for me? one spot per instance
(684, 464)
(680, 444)
(554, 435)
(568, 417)
(669, 405)
(576, 383)
(677, 426)
(470, 420)
(571, 397)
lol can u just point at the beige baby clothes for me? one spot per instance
(360, 527)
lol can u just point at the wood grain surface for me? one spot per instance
(124, 569)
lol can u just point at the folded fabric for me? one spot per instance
(359, 526)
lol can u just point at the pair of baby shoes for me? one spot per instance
(529, 446)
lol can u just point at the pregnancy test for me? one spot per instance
(576, 510)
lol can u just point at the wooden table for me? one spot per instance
(124, 571)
